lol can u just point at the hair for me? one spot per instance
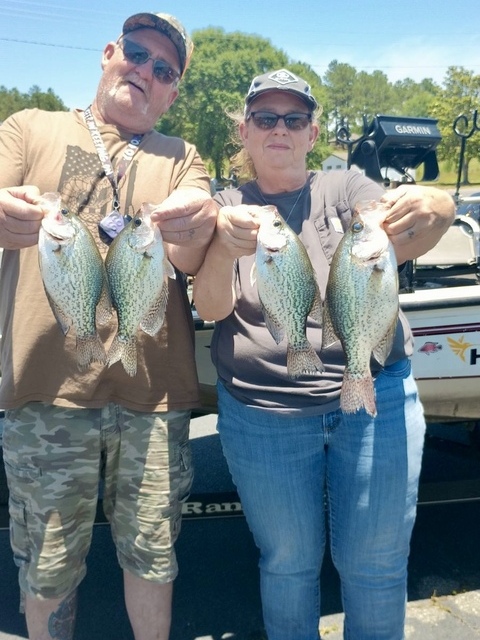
(241, 162)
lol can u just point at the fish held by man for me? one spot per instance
(288, 291)
(138, 272)
(74, 278)
(362, 303)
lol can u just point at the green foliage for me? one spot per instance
(459, 97)
(11, 101)
(219, 76)
(215, 85)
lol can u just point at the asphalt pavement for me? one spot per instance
(216, 595)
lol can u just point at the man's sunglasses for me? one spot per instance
(137, 54)
(268, 120)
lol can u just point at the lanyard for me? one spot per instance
(105, 158)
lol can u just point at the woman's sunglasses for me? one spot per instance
(137, 54)
(268, 120)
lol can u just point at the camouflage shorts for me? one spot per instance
(54, 457)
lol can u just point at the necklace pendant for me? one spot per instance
(112, 224)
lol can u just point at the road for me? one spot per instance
(216, 595)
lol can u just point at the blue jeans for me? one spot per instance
(368, 470)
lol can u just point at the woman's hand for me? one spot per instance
(418, 218)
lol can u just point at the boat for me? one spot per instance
(443, 309)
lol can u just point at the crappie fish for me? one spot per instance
(74, 278)
(288, 291)
(361, 303)
(138, 273)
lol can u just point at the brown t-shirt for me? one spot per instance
(54, 151)
(249, 362)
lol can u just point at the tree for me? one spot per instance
(356, 97)
(372, 94)
(216, 84)
(339, 80)
(459, 97)
(11, 101)
(411, 98)
(45, 100)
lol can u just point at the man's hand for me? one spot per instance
(20, 217)
(187, 221)
(187, 216)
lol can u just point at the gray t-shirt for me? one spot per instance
(248, 361)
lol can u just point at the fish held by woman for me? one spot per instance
(362, 303)
(288, 291)
(74, 278)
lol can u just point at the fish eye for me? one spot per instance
(64, 212)
(277, 223)
(138, 222)
(357, 227)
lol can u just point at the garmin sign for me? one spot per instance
(398, 143)
(412, 130)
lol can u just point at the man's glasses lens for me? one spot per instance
(268, 120)
(136, 54)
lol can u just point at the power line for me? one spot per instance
(50, 44)
(318, 66)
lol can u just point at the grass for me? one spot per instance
(448, 175)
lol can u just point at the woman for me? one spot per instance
(286, 441)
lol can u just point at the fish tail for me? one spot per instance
(358, 393)
(125, 350)
(303, 360)
(90, 349)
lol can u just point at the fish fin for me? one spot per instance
(357, 393)
(303, 361)
(253, 274)
(125, 350)
(276, 330)
(382, 350)
(316, 312)
(90, 349)
(154, 318)
(64, 321)
(104, 308)
(169, 269)
(329, 336)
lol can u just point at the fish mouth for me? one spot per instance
(58, 234)
(274, 247)
(59, 237)
(374, 257)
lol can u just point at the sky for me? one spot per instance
(57, 44)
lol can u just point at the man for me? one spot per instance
(62, 423)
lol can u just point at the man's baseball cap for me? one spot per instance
(169, 26)
(281, 80)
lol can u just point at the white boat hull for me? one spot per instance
(446, 358)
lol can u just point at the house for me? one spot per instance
(335, 161)
(338, 160)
